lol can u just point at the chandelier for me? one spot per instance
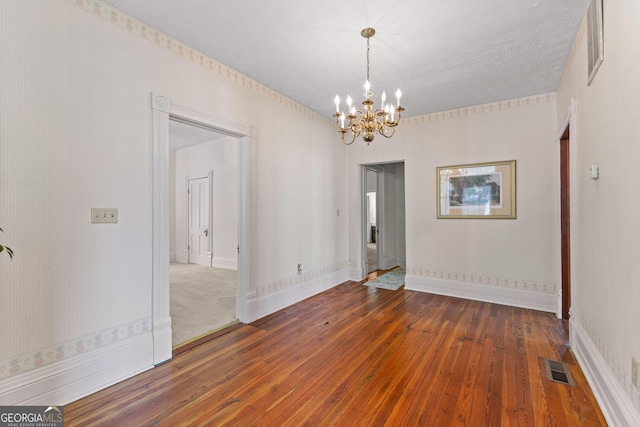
(368, 122)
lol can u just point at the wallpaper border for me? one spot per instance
(134, 26)
(65, 350)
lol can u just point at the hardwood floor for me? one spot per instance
(360, 356)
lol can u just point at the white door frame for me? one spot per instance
(164, 108)
(367, 229)
(570, 121)
(379, 215)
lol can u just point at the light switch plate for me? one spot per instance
(104, 215)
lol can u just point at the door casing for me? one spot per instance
(163, 109)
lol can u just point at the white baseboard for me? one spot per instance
(542, 301)
(356, 274)
(70, 379)
(226, 263)
(274, 301)
(614, 402)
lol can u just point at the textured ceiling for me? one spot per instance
(442, 54)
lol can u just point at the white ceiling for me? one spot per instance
(183, 135)
(442, 54)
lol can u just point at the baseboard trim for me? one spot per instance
(70, 379)
(614, 402)
(542, 301)
(226, 263)
(274, 301)
(356, 273)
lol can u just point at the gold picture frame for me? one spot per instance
(595, 38)
(477, 190)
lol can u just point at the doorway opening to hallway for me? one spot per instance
(383, 217)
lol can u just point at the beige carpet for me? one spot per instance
(203, 299)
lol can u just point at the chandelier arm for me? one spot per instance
(352, 139)
(393, 130)
(355, 120)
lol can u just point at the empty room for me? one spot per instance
(412, 202)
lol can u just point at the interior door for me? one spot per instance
(199, 221)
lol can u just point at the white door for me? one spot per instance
(199, 221)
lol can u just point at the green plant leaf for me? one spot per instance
(7, 249)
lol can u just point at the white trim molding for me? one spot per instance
(73, 378)
(569, 121)
(517, 293)
(615, 404)
(164, 109)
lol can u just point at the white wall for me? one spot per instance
(75, 134)
(400, 224)
(221, 157)
(508, 261)
(605, 226)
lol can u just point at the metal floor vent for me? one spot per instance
(558, 372)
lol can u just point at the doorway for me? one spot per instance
(163, 108)
(383, 217)
(371, 219)
(565, 221)
(204, 231)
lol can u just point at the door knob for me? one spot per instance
(206, 232)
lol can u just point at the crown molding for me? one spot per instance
(158, 38)
(482, 108)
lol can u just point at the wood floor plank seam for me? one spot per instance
(355, 355)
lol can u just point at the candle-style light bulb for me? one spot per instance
(349, 101)
(367, 86)
(337, 101)
(398, 94)
(384, 97)
(353, 110)
(342, 121)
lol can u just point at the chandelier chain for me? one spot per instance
(368, 59)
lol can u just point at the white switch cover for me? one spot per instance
(104, 215)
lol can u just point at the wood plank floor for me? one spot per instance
(353, 356)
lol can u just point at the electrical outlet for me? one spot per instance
(300, 268)
(104, 215)
(634, 372)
